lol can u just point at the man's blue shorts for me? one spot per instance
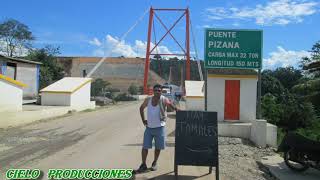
(159, 136)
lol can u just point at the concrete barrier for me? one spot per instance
(272, 135)
(140, 97)
(259, 132)
(230, 129)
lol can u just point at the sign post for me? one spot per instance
(240, 49)
(235, 49)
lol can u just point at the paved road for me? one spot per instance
(108, 138)
(278, 168)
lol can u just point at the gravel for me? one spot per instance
(239, 159)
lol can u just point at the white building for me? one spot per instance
(11, 93)
(22, 70)
(233, 94)
(194, 95)
(69, 91)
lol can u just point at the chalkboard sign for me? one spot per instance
(196, 141)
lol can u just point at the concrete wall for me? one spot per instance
(259, 132)
(10, 97)
(215, 97)
(27, 73)
(81, 97)
(55, 99)
(272, 136)
(241, 130)
(196, 104)
(140, 97)
(248, 92)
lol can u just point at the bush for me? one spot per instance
(288, 111)
(311, 132)
(271, 110)
(133, 89)
(98, 87)
(124, 97)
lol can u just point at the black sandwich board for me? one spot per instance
(196, 140)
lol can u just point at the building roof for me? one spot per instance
(19, 60)
(194, 88)
(224, 71)
(67, 85)
(12, 81)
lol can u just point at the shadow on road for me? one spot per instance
(172, 134)
(171, 176)
(168, 144)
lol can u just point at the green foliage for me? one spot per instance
(98, 87)
(124, 97)
(270, 84)
(133, 89)
(288, 76)
(312, 132)
(280, 106)
(271, 110)
(15, 35)
(50, 70)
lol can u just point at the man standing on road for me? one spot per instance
(155, 125)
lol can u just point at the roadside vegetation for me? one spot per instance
(291, 96)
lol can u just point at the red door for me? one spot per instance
(232, 100)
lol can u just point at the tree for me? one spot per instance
(50, 70)
(98, 87)
(288, 76)
(157, 57)
(270, 84)
(15, 35)
(271, 109)
(310, 89)
(133, 89)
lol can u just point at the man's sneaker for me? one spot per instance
(142, 168)
(154, 166)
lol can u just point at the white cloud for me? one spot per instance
(113, 47)
(280, 12)
(284, 58)
(95, 42)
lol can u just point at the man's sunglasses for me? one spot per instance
(157, 90)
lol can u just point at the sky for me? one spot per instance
(119, 27)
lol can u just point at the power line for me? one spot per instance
(119, 42)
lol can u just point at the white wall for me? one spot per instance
(27, 73)
(248, 99)
(195, 104)
(272, 135)
(81, 97)
(10, 97)
(259, 132)
(140, 97)
(241, 130)
(55, 99)
(248, 92)
(215, 97)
